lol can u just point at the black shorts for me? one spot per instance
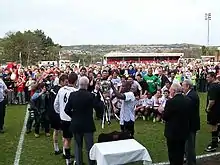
(213, 118)
(55, 122)
(66, 129)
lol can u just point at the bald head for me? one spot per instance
(187, 85)
(175, 89)
(83, 82)
(188, 82)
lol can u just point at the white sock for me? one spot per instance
(56, 146)
(64, 151)
(68, 161)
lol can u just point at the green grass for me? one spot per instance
(9, 140)
(40, 151)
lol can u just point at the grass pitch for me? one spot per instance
(40, 151)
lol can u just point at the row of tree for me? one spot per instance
(28, 47)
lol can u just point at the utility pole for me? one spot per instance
(20, 58)
(208, 17)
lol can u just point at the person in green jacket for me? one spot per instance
(152, 81)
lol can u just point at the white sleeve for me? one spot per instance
(129, 96)
(164, 103)
(139, 86)
(144, 103)
(4, 86)
(56, 104)
(126, 72)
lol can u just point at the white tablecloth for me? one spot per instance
(119, 152)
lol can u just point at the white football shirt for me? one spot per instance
(61, 101)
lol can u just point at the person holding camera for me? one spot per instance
(39, 101)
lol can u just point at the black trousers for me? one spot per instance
(190, 149)
(99, 108)
(41, 119)
(202, 85)
(128, 127)
(176, 150)
(2, 114)
(31, 118)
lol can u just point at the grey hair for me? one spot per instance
(177, 87)
(188, 82)
(83, 82)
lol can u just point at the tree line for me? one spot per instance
(28, 47)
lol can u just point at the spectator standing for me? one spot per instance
(188, 89)
(152, 81)
(176, 116)
(82, 124)
(20, 91)
(3, 89)
(212, 109)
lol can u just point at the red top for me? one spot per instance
(20, 87)
(32, 92)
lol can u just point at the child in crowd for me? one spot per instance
(162, 102)
(20, 91)
(140, 107)
(156, 104)
(149, 103)
(29, 84)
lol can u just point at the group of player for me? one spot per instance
(148, 105)
(152, 106)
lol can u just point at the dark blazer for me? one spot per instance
(80, 108)
(177, 117)
(163, 79)
(195, 110)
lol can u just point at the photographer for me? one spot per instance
(40, 100)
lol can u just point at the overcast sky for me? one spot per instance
(71, 22)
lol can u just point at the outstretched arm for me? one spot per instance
(117, 93)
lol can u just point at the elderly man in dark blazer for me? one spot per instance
(194, 121)
(80, 108)
(177, 117)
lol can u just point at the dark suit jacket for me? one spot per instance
(80, 108)
(177, 117)
(164, 79)
(195, 117)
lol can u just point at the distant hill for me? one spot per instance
(103, 49)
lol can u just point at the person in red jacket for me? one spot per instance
(20, 91)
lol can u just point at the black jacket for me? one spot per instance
(53, 94)
(80, 108)
(37, 103)
(177, 117)
(195, 110)
(163, 79)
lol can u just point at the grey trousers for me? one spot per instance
(88, 137)
(21, 97)
(190, 149)
(11, 97)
